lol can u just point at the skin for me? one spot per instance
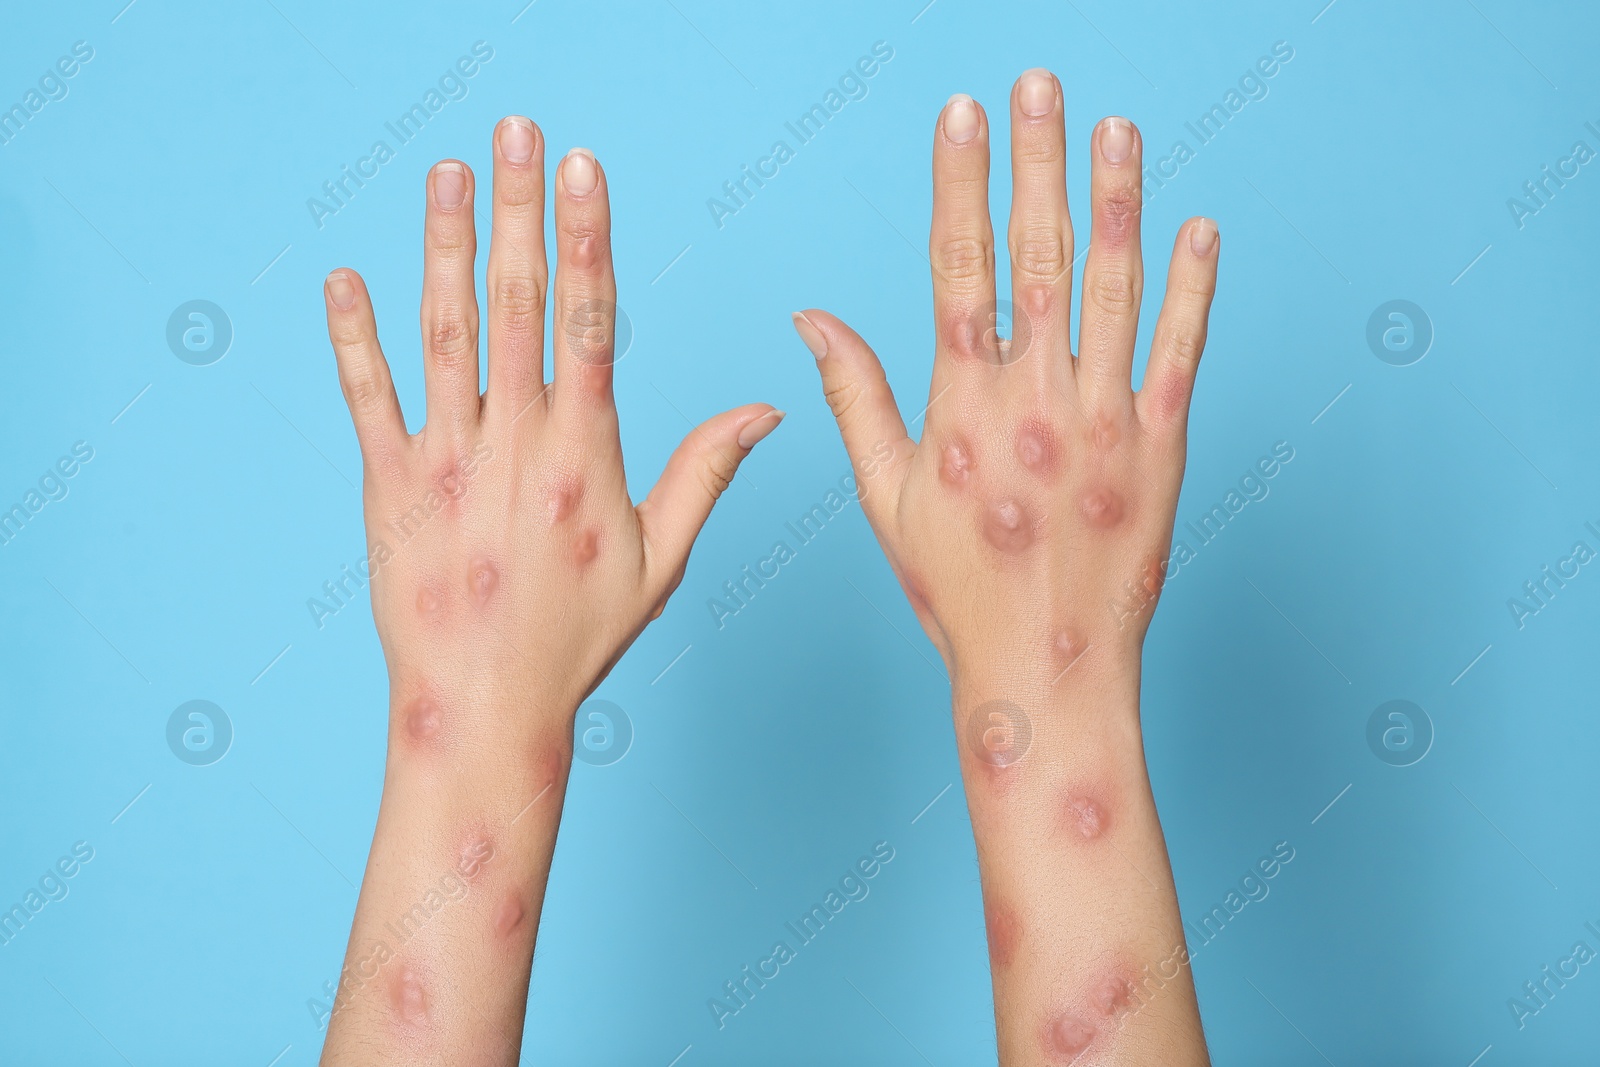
(513, 570)
(1029, 528)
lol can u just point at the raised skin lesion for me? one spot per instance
(407, 998)
(955, 465)
(422, 719)
(483, 577)
(1088, 819)
(1069, 1036)
(586, 547)
(1101, 508)
(429, 606)
(1006, 527)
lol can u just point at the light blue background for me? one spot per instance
(811, 726)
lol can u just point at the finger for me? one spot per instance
(961, 245)
(363, 372)
(699, 470)
(1180, 334)
(450, 302)
(1040, 234)
(585, 291)
(517, 272)
(869, 419)
(1113, 275)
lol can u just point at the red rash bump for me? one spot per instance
(449, 482)
(1101, 508)
(1006, 527)
(509, 915)
(1069, 1036)
(954, 466)
(428, 604)
(482, 578)
(1036, 450)
(563, 502)
(1068, 647)
(963, 337)
(1087, 819)
(586, 548)
(1113, 997)
(1004, 932)
(422, 719)
(1037, 300)
(408, 999)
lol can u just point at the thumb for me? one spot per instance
(701, 467)
(869, 420)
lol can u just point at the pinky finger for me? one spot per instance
(1180, 334)
(363, 372)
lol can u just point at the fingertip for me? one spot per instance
(1203, 236)
(340, 288)
(1118, 139)
(961, 120)
(517, 138)
(580, 173)
(448, 184)
(809, 333)
(756, 430)
(1036, 92)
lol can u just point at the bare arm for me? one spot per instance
(511, 571)
(1030, 528)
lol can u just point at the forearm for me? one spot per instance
(440, 952)
(1086, 943)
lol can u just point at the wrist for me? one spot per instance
(1015, 709)
(453, 730)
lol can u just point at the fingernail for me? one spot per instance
(516, 140)
(1116, 139)
(341, 291)
(758, 428)
(960, 118)
(578, 172)
(1202, 237)
(1036, 93)
(810, 335)
(449, 186)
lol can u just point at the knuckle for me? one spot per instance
(363, 392)
(450, 340)
(1184, 347)
(1118, 212)
(1039, 252)
(519, 303)
(589, 326)
(716, 474)
(1113, 290)
(1044, 151)
(450, 237)
(842, 398)
(521, 192)
(964, 259)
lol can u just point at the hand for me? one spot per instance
(1030, 528)
(511, 572)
